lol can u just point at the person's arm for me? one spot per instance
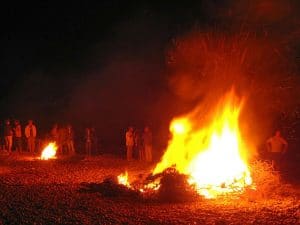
(34, 131)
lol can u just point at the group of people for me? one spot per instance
(139, 144)
(64, 138)
(13, 136)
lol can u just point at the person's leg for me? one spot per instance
(5, 143)
(33, 145)
(90, 147)
(67, 148)
(72, 147)
(17, 144)
(10, 143)
(20, 144)
(129, 153)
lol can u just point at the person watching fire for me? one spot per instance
(8, 135)
(129, 143)
(70, 140)
(18, 136)
(30, 134)
(88, 142)
(277, 147)
(147, 141)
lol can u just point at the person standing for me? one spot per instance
(30, 134)
(94, 141)
(129, 138)
(138, 145)
(277, 147)
(147, 141)
(70, 140)
(88, 141)
(18, 136)
(54, 133)
(8, 135)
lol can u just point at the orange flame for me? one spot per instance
(123, 179)
(49, 152)
(214, 156)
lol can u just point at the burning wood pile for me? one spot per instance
(210, 161)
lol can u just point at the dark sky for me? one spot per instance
(100, 64)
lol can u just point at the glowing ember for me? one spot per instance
(214, 156)
(123, 179)
(49, 151)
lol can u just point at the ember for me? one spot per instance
(49, 152)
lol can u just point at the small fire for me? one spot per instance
(49, 152)
(123, 179)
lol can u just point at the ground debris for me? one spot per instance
(34, 192)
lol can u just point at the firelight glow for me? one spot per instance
(214, 156)
(49, 152)
(123, 179)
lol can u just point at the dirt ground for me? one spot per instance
(47, 192)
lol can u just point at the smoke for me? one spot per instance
(124, 83)
(153, 66)
(255, 54)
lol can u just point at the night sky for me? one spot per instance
(87, 64)
(103, 64)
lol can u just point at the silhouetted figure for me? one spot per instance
(30, 134)
(138, 145)
(88, 142)
(18, 136)
(277, 147)
(8, 136)
(54, 133)
(70, 140)
(129, 138)
(62, 140)
(147, 142)
(94, 140)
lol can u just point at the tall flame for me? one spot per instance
(213, 156)
(49, 151)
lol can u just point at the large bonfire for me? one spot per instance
(211, 151)
(213, 156)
